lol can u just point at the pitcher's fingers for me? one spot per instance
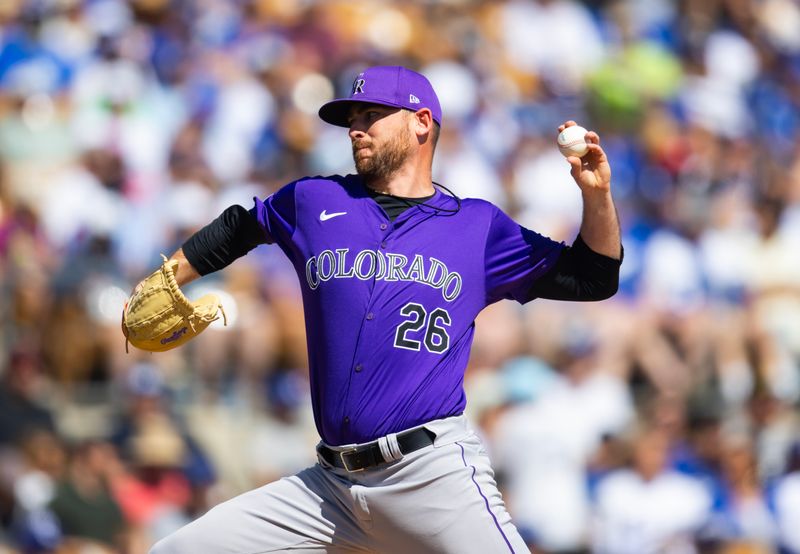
(595, 150)
(566, 124)
(576, 164)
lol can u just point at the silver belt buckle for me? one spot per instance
(344, 461)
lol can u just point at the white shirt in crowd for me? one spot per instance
(544, 448)
(636, 516)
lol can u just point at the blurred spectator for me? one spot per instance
(35, 486)
(68, 219)
(153, 494)
(23, 411)
(649, 507)
(534, 34)
(742, 516)
(170, 472)
(83, 504)
(288, 405)
(775, 278)
(787, 503)
(776, 426)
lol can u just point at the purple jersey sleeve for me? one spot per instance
(277, 215)
(515, 257)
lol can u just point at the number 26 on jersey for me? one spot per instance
(423, 327)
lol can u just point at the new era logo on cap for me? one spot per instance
(388, 85)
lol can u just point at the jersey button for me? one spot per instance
(346, 419)
(359, 367)
(383, 226)
(383, 245)
(370, 316)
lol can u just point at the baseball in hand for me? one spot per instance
(571, 141)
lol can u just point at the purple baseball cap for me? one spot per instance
(388, 85)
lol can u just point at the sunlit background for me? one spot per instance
(662, 421)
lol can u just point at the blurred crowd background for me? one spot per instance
(664, 420)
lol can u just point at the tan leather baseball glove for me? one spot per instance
(158, 317)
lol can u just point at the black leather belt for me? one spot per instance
(365, 456)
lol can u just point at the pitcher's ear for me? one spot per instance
(424, 120)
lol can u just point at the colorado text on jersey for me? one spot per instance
(368, 264)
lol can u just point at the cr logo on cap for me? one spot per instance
(358, 86)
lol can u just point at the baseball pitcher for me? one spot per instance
(393, 270)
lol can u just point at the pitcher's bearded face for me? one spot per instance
(381, 159)
(382, 140)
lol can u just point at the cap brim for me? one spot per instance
(336, 112)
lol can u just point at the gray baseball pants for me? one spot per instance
(441, 498)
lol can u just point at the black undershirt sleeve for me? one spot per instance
(580, 274)
(230, 236)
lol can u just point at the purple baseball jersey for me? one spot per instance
(390, 306)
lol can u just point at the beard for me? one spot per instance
(384, 161)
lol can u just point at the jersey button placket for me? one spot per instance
(369, 316)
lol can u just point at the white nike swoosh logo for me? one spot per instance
(324, 216)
